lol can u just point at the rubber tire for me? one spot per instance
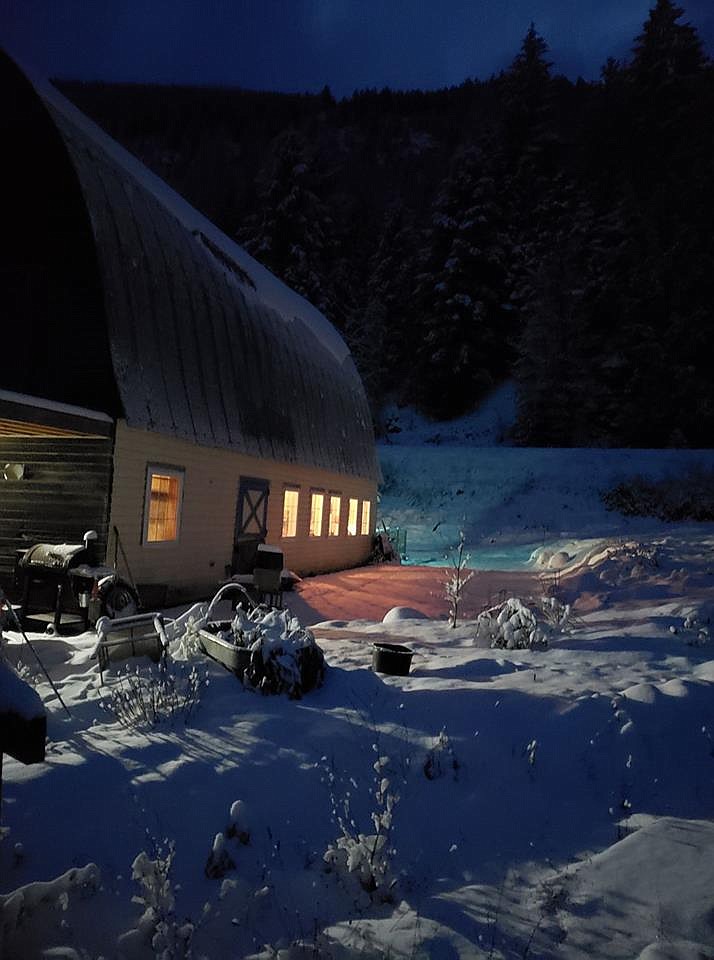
(119, 600)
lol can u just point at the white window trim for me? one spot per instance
(315, 536)
(290, 488)
(355, 525)
(337, 496)
(362, 532)
(162, 470)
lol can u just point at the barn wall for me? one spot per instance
(64, 492)
(196, 562)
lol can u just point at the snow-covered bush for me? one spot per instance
(618, 564)
(285, 658)
(441, 759)
(366, 858)
(513, 625)
(158, 927)
(695, 628)
(21, 907)
(219, 861)
(165, 693)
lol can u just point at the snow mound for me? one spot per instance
(642, 693)
(659, 861)
(396, 614)
(705, 671)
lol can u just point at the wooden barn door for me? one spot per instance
(251, 521)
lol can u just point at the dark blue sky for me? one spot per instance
(303, 44)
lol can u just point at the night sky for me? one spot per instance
(295, 45)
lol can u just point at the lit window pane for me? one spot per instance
(352, 518)
(365, 528)
(290, 511)
(334, 525)
(164, 498)
(316, 507)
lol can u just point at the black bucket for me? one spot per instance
(392, 658)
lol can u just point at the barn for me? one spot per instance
(157, 384)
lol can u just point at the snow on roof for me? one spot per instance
(271, 291)
(207, 345)
(23, 399)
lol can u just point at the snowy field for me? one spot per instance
(548, 802)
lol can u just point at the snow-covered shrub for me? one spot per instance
(366, 857)
(285, 658)
(618, 564)
(157, 927)
(219, 861)
(513, 625)
(687, 497)
(441, 759)
(166, 693)
(21, 906)
(236, 824)
(695, 628)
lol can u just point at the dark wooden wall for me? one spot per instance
(65, 491)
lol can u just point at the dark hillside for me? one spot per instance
(526, 226)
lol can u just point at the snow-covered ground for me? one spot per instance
(549, 802)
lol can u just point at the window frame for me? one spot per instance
(352, 520)
(366, 532)
(290, 488)
(162, 470)
(313, 495)
(334, 495)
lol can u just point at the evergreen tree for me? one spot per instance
(293, 233)
(460, 292)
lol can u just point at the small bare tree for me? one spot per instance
(458, 577)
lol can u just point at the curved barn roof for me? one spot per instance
(206, 344)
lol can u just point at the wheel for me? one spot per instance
(119, 600)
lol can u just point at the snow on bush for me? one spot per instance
(695, 628)
(22, 906)
(158, 927)
(514, 625)
(441, 759)
(620, 563)
(285, 658)
(365, 857)
(166, 693)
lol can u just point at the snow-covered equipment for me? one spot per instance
(391, 658)
(267, 574)
(124, 637)
(78, 591)
(390, 545)
(267, 648)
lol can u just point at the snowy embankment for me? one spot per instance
(509, 500)
(494, 803)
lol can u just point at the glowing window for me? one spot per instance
(334, 523)
(290, 512)
(162, 510)
(352, 518)
(317, 502)
(365, 527)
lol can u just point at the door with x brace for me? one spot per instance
(252, 513)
